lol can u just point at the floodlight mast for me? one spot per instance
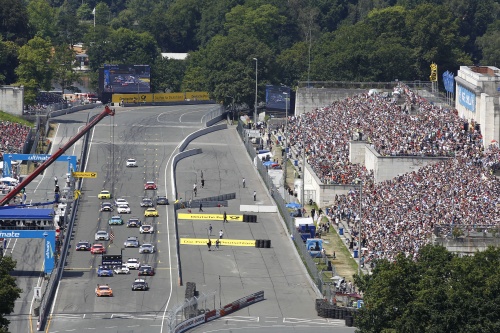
(107, 111)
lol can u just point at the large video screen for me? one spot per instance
(126, 79)
(276, 97)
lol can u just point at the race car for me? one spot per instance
(106, 207)
(131, 242)
(146, 202)
(83, 246)
(98, 248)
(146, 229)
(151, 211)
(123, 209)
(150, 186)
(115, 220)
(147, 248)
(146, 270)
(104, 194)
(103, 290)
(121, 201)
(134, 223)
(123, 269)
(140, 284)
(101, 235)
(131, 163)
(161, 200)
(133, 263)
(104, 271)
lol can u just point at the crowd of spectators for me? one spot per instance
(13, 137)
(43, 100)
(399, 215)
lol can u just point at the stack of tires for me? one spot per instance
(327, 310)
(191, 310)
(263, 243)
(250, 218)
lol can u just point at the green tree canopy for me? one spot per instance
(9, 291)
(439, 292)
(42, 18)
(8, 61)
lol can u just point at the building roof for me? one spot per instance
(26, 214)
(175, 56)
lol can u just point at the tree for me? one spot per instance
(34, 71)
(62, 63)
(167, 75)
(9, 291)
(489, 44)
(42, 18)
(8, 61)
(14, 21)
(438, 292)
(225, 67)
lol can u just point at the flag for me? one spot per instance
(93, 12)
(111, 236)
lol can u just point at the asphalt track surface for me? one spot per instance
(151, 135)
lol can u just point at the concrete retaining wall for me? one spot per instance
(12, 100)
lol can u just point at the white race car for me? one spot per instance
(123, 269)
(123, 209)
(146, 229)
(121, 201)
(131, 163)
(133, 263)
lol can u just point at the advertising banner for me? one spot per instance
(8, 158)
(212, 217)
(223, 242)
(467, 98)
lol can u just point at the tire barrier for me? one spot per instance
(263, 243)
(249, 218)
(327, 310)
(190, 311)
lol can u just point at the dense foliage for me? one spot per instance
(9, 292)
(439, 292)
(293, 40)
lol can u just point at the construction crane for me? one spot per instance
(107, 111)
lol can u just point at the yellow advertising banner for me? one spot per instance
(85, 174)
(160, 97)
(197, 96)
(132, 98)
(213, 217)
(223, 242)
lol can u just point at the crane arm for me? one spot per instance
(53, 157)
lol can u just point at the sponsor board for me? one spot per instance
(183, 326)
(213, 217)
(85, 174)
(159, 97)
(223, 242)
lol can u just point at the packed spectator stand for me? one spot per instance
(43, 100)
(13, 137)
(399, 215)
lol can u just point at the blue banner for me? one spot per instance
(449, 82)
(8, 158)
(467, 98)
(49, 245)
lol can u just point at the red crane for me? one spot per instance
(59, 152)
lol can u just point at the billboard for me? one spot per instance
(125, 79)
(276, 97)
(467, 98)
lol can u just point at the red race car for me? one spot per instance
(150, 186)
(98, 248)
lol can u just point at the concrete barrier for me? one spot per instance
(258, 209)
(199, 133)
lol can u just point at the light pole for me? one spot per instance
(255, 112)
(286, 135)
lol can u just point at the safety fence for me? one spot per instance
(281, 198)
